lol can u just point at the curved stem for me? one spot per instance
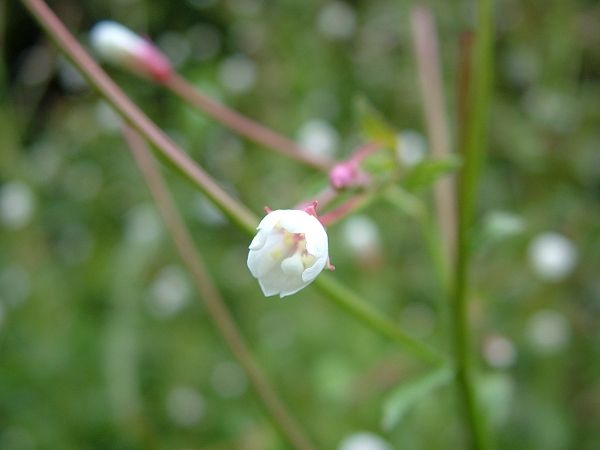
(215, 305)
(242, 124)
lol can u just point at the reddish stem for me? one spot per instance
(242, 124)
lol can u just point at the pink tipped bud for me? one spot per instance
(119, 45)
(347, 174)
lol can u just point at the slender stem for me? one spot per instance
(426, 50)
(475, 133)
(351, 205)
(235, 211)
(215, 305)
(349, 301)
(242, 124)
(465, 49)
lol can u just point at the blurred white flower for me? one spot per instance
(361, 235)
(288, 252)
(552, 256)
(16, 204)
(499, 352)
(318, 137)
(503, 224)
(237, 73)
(548, 331)
(170, 292)
(120, 46)
(411, 147)
(143, 224)
(185, 406)
(364, 441)
(337, 20)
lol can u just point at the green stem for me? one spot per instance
(475, 134)
(349, 301)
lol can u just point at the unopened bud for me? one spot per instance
(347, 174)
(120, 46)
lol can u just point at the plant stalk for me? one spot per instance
(242, 124)
(478, 100)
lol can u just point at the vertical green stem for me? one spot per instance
(475, 134)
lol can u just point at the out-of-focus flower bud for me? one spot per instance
(288, 252)
(120, 46)
(348, 174)
(552, 256)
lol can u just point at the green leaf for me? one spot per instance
(406, 202)
(428, 172)
(373, 126)
(408, 394)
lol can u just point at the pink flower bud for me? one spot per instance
(118, 45)
(347, 174)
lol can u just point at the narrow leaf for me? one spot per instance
(408, 394)
(373, 126)
(428, 172)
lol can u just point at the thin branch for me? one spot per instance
(215, 305)
(243, 125)
(426, 50)
(234, 210)
(349, 301)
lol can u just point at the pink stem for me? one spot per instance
(425, 42)
(343, 210)
(242, 124)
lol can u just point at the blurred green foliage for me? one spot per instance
(103, 341)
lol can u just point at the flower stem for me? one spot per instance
(474, 134)
(353, 304)
(215, 305)
(242, 124)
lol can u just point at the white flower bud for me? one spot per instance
(288, 252)
(552, 256)
(120, 46)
